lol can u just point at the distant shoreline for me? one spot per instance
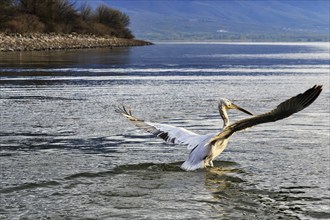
(42, 42)
(243, 42)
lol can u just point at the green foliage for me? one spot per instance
(61, 16)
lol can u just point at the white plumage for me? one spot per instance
(204, 148)
(197, 144)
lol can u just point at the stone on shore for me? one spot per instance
(52, 41)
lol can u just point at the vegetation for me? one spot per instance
(61, 16)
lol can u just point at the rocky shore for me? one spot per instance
(37, 42)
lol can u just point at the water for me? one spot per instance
(65, 153)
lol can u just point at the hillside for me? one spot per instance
(226, 20)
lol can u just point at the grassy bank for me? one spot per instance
(40, 41)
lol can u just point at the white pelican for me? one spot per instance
(204, 148)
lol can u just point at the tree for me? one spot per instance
(114, 20)
(7, 10)
(85, 12)
(61, 16)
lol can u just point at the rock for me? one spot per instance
(52, 41)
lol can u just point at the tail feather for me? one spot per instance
(188, 166)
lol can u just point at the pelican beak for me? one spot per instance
(241, 109)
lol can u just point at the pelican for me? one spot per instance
(205, 148)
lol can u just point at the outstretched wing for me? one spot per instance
(169, 133)
(283, 110)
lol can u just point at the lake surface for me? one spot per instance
(65, 153)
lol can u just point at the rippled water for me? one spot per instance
(65, 153)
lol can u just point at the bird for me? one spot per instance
(205, 148)
(178, 135)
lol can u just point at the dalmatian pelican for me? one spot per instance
(205, 148)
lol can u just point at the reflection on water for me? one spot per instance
(65, 58)
(65, 153)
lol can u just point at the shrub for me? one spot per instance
(60, 16)
(24, 23)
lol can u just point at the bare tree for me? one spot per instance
(62, 16)
(85, 12)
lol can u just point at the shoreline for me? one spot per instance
(42, 42)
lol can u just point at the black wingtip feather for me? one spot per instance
(311, 95)
(123, 110)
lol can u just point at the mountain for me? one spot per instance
(225, 19)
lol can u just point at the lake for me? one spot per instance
(66, 154)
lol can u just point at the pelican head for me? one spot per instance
(227, 104)
(224, 105)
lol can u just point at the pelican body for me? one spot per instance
(205, 148)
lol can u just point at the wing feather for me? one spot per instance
(169, 133)
(283, 110)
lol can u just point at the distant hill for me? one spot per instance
(226, 19)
